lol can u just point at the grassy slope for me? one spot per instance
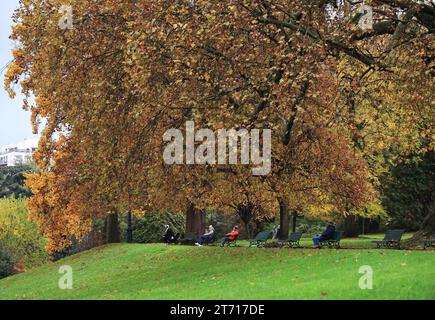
(175, 272)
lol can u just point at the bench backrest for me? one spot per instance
(337, 235)
(295, 236)
(262, 236)
(190, 235)
(394, 235)
(213, 237)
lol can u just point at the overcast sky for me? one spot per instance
(14, 121)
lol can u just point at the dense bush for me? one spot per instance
(7, 262)
(20, 236)
(12, 181)
(307, 226)
(310, 228)
(92, 239)
(149, 227)
(407, 190)
(222, 224)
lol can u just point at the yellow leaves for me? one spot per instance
(12, 76)
(43, 105)
(19, 55)
(16, 231)
(121, 78)
(233, 8)
(138, 213)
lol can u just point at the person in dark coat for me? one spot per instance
(326, 235)
(168, 236)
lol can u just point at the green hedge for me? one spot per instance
(149, 227)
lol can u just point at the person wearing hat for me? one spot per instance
(230, 236)
(326, 235)
(206, 236)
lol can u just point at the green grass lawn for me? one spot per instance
(158, 271)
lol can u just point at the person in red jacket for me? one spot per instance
(230, 236)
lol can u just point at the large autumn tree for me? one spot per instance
(126, 72)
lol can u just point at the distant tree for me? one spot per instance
(12, 181)
(18, 235)
(407, 191)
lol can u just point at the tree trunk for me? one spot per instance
(195, 220)
(283, 220)
(352, 226)
(129, 228)
(428, 225)
(246, 214)
(295, 217)
(112, 229)
(370, 225)
(248, 230)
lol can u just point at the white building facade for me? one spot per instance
(18, 154)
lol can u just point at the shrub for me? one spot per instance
(12, 181)
(92, 239)
(149, 227)
(272, 245)
(222, 224)
(7, 262)
(310, 227)
(20, 236)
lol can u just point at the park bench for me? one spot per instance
(189, 238)
(292, 241)
(391, 239)
(429, 242)
(260, 239)
(232, 243)
(212, 240)
(333, 242)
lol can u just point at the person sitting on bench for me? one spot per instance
(230, 236)
(168, 236)
(206, 236)
(275, 231)
(326, 235)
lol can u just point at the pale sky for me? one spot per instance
(14, 121)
